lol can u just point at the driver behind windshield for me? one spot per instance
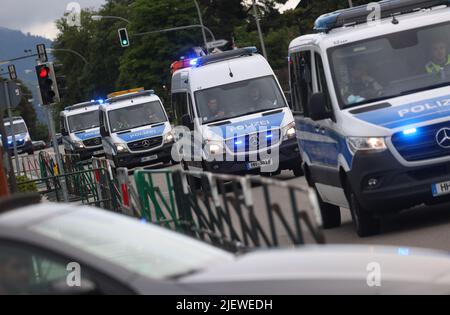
(215, 113)
(362, 86)
(440, 57)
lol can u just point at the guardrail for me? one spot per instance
(235, 213)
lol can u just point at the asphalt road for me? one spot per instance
(425, 227)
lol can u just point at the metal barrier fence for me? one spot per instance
(29, 166)
(231, 212)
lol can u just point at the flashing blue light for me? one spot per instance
(10, 142)
(100, 101)
(269, 136)
(403, 251)
(238, 142)
(409, 132)
(193, 62)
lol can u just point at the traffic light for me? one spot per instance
(123, 37)
(60, 80)
(47, 83)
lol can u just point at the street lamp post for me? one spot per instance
(258, 25)
(200, 18)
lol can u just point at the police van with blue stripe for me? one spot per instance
(371, 98)
(135, 129)
(233, 104)
(21, 135)
(80, 130)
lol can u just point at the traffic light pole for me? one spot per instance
(11, 125)
(51, 127)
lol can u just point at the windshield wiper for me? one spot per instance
(373, 100)
(436, 86)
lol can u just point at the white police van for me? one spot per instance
(21, 134)
(135, 129)
(233, 104)
(372, 107)
(80, 130)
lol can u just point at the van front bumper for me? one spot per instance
(289, 158)
(394, 186)
(25, 147)
(87, 153)
(130, 160)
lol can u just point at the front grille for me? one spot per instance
(94, 142)
(254, 142)
(423, 144)
(145, 144)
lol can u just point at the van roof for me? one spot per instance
(359, 14)
(356, 32)
(130, 99)
(220, 72)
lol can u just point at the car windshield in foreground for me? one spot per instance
(18, 129)
(238, 99)
(136, 116)
(83, 121)
(145, 249)
(393, 65)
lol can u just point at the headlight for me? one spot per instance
(366, 144)
(27, 139)
(121, 147)
(168, 138)
(289, 132)
(214, 147)
(78, 144)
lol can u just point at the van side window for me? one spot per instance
(322, 81)
(180, 106)
(301, 81)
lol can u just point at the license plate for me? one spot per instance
(259, 164)
(441, 189)
(149, 158)
(98, 152)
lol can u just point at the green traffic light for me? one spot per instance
(124, 42)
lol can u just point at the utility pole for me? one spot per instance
(350, 3)
(200, 18)
(11, 126)
(258, 25)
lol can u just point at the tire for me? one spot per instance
(298, 171)
(31, 152)
(194, 182)
(366, 223)
(331, 214)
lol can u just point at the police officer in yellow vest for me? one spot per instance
(440, 57)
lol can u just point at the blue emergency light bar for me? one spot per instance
(84, 104)
(359, 14)
(226, 55)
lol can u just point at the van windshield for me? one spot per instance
(393, 65)
(238, 99)
(83, 121)
(18, 129)
(136, 116)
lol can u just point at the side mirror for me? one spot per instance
(64, 132)
(103, 131)
(317, 107)
(187, 121)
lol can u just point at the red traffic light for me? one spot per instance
(44, 72)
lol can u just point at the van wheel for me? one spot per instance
(298, 171)
(366, 223)
(331, 214)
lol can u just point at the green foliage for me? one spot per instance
(24, 185)
(147, 61)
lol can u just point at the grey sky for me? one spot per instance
(37, 16)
